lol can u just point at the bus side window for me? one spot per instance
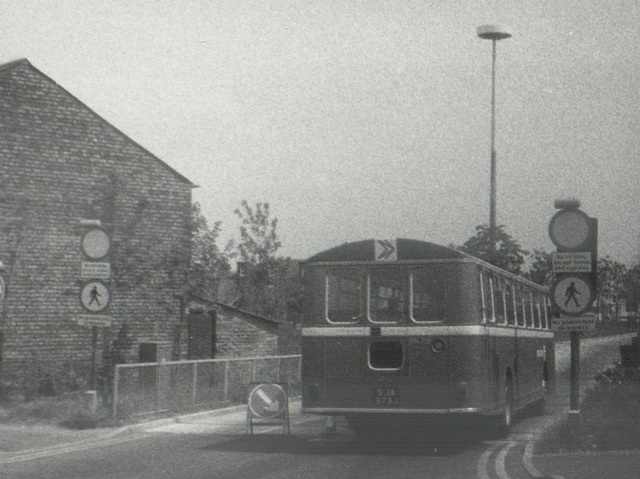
(428, 295)
(386, 296)
(343, 296)
(499, 297)
(509, 303)
(527, 305)
(547, 313)
(519, 304)
(537, 320)
(487, 298)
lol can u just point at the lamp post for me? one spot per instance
(493, 33)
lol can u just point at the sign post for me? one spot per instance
(575, 266)
(95, 295)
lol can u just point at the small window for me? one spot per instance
(428, 295)
(343, 296)
(386, 355)
(386, 296)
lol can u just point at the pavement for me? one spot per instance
(29, 441)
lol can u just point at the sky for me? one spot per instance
(364, 119)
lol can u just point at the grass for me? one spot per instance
(609, 416)
(70, 411)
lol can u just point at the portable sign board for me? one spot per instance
(268, 403)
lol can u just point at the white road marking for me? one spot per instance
(483, 463)
(501, 466)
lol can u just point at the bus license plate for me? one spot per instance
(386, 397)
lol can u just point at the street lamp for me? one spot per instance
(493, 33)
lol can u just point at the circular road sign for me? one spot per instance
(94, 296)
(267, 401)
(96, 244)
(572, 295)
(569, 229)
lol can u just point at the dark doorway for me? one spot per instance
(202, 335)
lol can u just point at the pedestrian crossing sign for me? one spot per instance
(572, 295)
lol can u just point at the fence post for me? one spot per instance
(300, 370)
(116, 380)
(253, 370)
(278, 374)
(194, 390)
(226, 379)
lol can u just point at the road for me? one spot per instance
(214, 445)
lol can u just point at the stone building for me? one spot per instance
(219, 330)
(73, 187)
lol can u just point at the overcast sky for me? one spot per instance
(364, 119)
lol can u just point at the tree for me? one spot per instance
(208, 264)
(540, 268)
(507, 254)
(269, 283)
(259, 241)
(611, 279)
(632, 289)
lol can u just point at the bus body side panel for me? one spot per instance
(531, 354)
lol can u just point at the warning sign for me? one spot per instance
(572, 262)
(583, 323)
(572, 295)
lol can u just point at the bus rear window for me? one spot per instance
(343, 296)
(387, 297)
(428, 295)
(386, 355)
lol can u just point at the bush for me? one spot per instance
(609, 416)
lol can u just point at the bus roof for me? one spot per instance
(399, 249)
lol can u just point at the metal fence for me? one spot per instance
(181, 385)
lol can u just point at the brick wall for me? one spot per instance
(237, 338)
(60, 162)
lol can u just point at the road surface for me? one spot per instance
(218, 446)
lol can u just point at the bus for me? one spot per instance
(397, 331)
